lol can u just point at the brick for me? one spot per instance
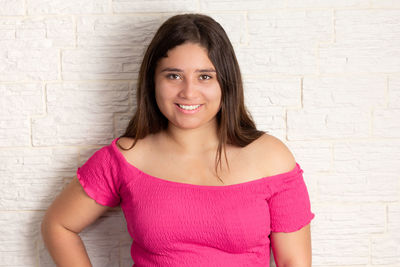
(394, 92)
(343, 229)
(354, 250)
(386, 123)
(37, 176)
(337, 221)
(314, 157)
(344, 91)
(334, 123)
(29, 64)
(24, 99)
(116, 31)
(376, 28)
(282, 28)
(328, 4)
(366, 42)
(14, 130)
(99, 64)
(393, 225)
(269, 59)
(284, 92)
(58, 7)
(123, 6)
(367, 156)
(61, 31)
(234, 25)
(270, 119)
(126, 258)
(385, 250)
(19, 233)
(351, 58)
(385, 3)
(359, 186)
(94, 105)
(223, 5)
(12, 7)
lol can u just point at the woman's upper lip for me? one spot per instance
(188, 104)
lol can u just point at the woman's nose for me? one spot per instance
(188, 89)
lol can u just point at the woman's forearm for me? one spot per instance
(65, 247)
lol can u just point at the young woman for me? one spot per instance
(184, 203)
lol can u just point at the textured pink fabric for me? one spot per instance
(178, 224)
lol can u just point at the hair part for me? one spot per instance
(235, 123)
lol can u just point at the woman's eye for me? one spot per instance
(173, 76)
(205, 77)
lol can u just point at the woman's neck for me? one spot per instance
(192, 141)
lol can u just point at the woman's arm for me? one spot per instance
(292, 249)
(68, 215)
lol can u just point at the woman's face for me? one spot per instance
(186, 87)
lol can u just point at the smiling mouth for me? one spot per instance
(189, 107)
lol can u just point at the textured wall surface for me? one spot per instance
(323, 76)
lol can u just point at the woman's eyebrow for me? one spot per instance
(179, 70)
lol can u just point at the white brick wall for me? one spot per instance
(323, 76)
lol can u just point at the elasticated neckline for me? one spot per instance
(293, 172)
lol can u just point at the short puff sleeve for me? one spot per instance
(289, 204)
(99, 177)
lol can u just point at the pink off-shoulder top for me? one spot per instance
(179, 224)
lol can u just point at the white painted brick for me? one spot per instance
(234, 25)
(358, 187)
(314, 157)
(378, 156)
(393, 226)
(36, 176)
(334, 123)
(19, 233)
(328, 3)
(385, 250)
(378, 28)
(126, 258)
(343, 229)
(354, 250)
(394, 92)
(61, 31)
(123, 6)
(39, 7)
(351, 58)
(273, 59)
(109, 31)
(277, 91)
(386, 123)
(222, 5)
(58, 31)
(29, 64)
(341, 221)
(100, 64)
(385, 3)
(288, 28)
(94, 105)
(22, 99)
(12, 7)
(366, 41)
(14, 130)
(270, 119)
(344, 91)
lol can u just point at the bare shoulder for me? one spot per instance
(274, 155)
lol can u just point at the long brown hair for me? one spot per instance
(235, 124)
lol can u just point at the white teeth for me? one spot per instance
(188, 107)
